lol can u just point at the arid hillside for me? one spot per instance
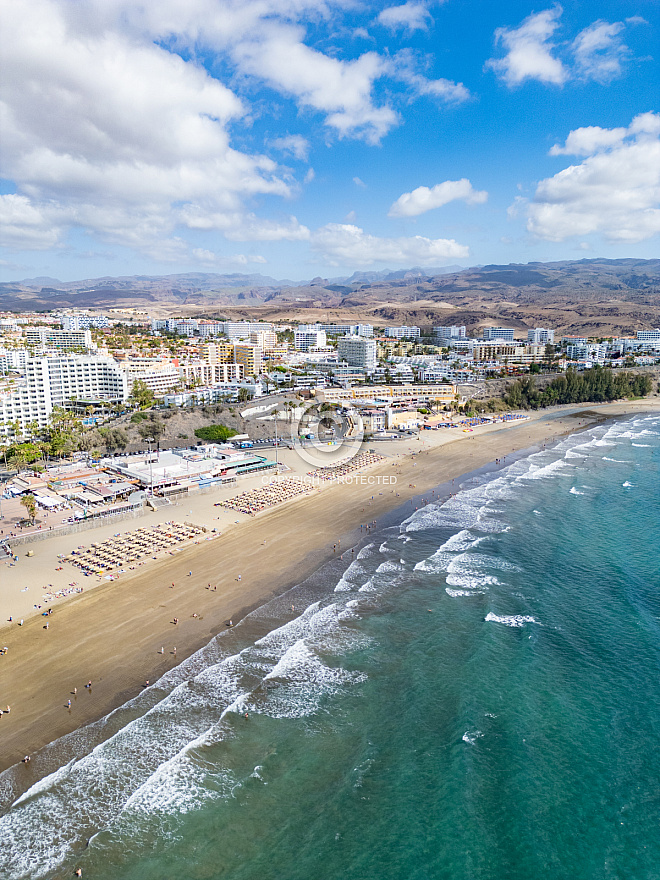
(591, 297)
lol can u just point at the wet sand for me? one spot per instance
(112, 635)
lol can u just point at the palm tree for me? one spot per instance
(30, 505)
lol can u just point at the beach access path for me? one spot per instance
(113, 634)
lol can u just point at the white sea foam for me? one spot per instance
(616, 460)
(455, 593)
(471, 736)
(462, 540)
(150, 765)
(627, 485)
(440, 561)
(511, 619)
(575, 491)
(553, 469)
(390, 565)
(642, 445)
(366, 551)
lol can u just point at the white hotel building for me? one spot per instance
(54, 381)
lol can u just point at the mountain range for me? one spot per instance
(598, 297)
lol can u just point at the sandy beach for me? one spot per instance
(112, 633)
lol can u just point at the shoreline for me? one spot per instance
(112, 634)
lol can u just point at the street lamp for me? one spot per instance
(150, 440)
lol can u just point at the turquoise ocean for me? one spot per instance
(472, 694)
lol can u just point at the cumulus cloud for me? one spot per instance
(410, 17)
(587, 140)
(596, 53)
(615, 191)
(108, 129)
(599, 51)
(529, 51)
(344, 244)
(426, 198)
(340, 89)
(25, 225)
(137, 131)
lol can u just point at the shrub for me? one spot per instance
(215, 433)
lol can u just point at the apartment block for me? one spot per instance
(358, 351)
(505, 333)
(303, 340)
(402, 332)
(60, 339)
(540, 336)
(250, 358)
(55, 381)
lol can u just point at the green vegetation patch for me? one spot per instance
(215, 433)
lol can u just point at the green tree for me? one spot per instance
(30, 505)
(141, 394)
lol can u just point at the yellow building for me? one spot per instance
(250, 356)
(218, 352)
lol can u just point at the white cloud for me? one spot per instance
(615, 191)
(340, 89)
(405, 66)
(595, 54)
(425, 199)
(210, 258)
(293, 144)
(412, 16)
(529, 50)
(346, 245)
(243, 227)
(584, 141)
(136, 131)
(359, 182)
(108, 131)
(598, 51)
(25, 225)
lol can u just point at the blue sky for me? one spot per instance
(317, 137)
